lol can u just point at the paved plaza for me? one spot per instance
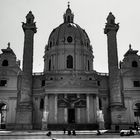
(59, 135)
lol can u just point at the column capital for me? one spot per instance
(111, 25)
(30, 24)
(32, 27)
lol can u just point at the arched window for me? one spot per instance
(136, 83)
(100, 104)
(43, 83)
(98, 83)
(49, 64)
(68, 18)
(5, 63)
(88, 66)
(65, 19)
(42, 103)
(137, 111)
(90, 78)
(134, 64)
(87, 44)
(69, 61)
(50, 44)
(51, 78)
(3, 83)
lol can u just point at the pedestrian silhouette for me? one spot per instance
(69, 132)
(98, 132)
(73, 132)
(136, 127)
(64, 130)
(49, 134)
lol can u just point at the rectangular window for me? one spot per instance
(3, 83)
(137, 114)
(136, 83)
(43, 83)
(41, 103)
(98, 83)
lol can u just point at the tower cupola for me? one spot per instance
(68, 16)
(30, 18)
(131, 59)
(110, 18)
(111, 25)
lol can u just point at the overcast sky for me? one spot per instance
(89, 14)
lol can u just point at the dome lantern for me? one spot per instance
(68, 16)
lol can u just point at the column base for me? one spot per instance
(118, 116)
(121, 126)
(24, 119)
(23, 127)
(86, 126)
(101, 126)
(44, 126)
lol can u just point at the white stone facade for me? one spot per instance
(69, 93)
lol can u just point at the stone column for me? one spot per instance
(24, 103)
(99, 114)
(45, 114)
(65, 115)
(116, 98)
(54, 61)
(78, 115)
(55, 104)
(111, 29)
(97, 103)
(78, 112)
(88, 119)
(65, 112)
(97, 107)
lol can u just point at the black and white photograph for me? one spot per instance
(69, 69)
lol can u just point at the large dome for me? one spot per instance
(68, 47)
(68, 32)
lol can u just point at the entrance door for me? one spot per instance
(71, 115)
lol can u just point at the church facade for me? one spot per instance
(69, 93)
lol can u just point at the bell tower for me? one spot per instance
(24, 104)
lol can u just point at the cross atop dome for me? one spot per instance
(130, 47)
(8, 45)
(68, 4)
